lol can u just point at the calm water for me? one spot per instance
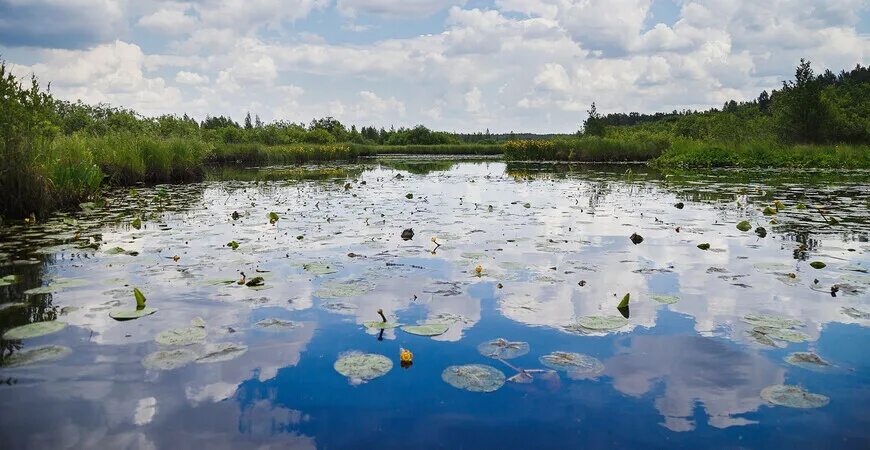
(685, 374)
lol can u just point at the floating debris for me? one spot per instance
(793, 397)
(577, 365)
(408, 234)
(474, 377)
(636, 238)
(427, 329)
(36, 355)
(761, 232)
(503, 349)
(361, 367)
(32, 330)
(679, 205)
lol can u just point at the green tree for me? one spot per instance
(593, 125)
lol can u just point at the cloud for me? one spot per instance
(172, 21)
(69, 24)
(396, 8)
(191, 78)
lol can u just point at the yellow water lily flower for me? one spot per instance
(478, 270)
(405, 355)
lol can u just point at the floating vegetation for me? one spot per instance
(130, 314)
(169, 359)
(36, 355)
(771, 321)
(665, 299)
(503, 349)
(427, 329)
(233, 245)
(340, 289)
(636, 238)
(339, 307)
(275, 324)
(781, 334)
(598, 323)
(181, 336)
(474, 377)
(8, 280)
(361, 367)
(380, 325)
(255, 282)
(855, 313)
(408, 234)
(793, 397)
(121, 251)
(744, 225)
(224, 351)
(806, 360)
(761, 232)
(273, 217)
(32, 330)
(624, 302)
(319, 268)
(818, 265)
(704, 246)
(56, 286)
(577, 365)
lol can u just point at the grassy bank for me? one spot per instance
(695, 154)
(584, 149)
(284, 154)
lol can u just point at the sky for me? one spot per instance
(454, 65)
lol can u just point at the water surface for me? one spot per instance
(553, 246)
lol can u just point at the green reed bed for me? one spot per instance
(440, 149)
(254, 153)
(697, 154)
(584, 149)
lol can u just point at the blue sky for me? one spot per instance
(505, 65)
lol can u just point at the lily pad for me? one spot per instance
(577, 365)
(610, 322)
(806, 359)
(624, 302)
(818, 265)
(782, 334)
(130, 314)
(55, 286)
(744, 225)
(665, 299)
(380, 325)
(8, 279)
(474, 377)
(503, 349)
(704, 246)
(319, 268)
(169, 359)
(181, 336)
(427, 329)
(338, 289)
(855, 313)
(224, 351)
(36, 355)
(793, 397)
(32, 330)
(361, 367)
(765, 320)
(275, 324)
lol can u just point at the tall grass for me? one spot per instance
(585, 149)
(441, 149)
(685, 153)
(284, 154)
(128, 158)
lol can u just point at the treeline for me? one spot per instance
(811, 109)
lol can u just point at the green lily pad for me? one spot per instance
(503, 349)
(181, 336)
(319, 268)
(273, 217)
(427, 329)
(275, 324)
(793, 397)
(665, 299)
(36, 355)
(818, 265)
(8, 279)
(704, 246)
(806, 359)
(744, 225)
(337, 289)
(624, 302)
(771, 321)
(768, 211)
(224, 351)
(32, 330)
(169, 359)
(380, 325)
(474, 377)
(597, 323)
(782, 334)
(121, 314)
(773, 267)
(361, 367)
(56, 286)
(121, 251)
(577, 365)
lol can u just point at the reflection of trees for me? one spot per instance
(418, 167)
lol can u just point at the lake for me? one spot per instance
(739, 343)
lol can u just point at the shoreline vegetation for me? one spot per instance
(57, 154)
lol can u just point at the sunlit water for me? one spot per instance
(553, 246)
